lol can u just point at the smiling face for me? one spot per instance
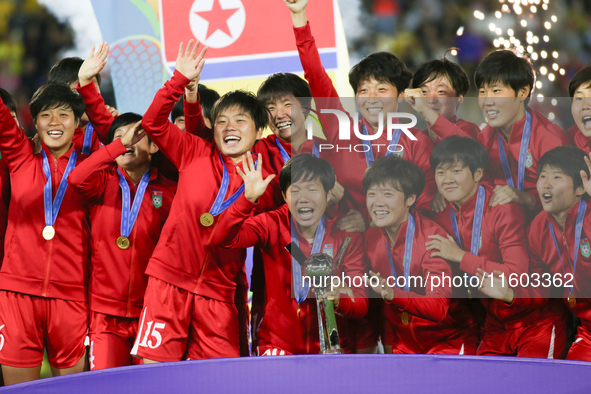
(374, 97)
(557, 192)
(56, 128)
(456, 183)
(235, 132)
(137, 155)
(501, 105)
(442, 98)
(581, 108)
(287, 116)
(387, 206)
(307, 201)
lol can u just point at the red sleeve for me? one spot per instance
(320, 83)
(194, 122)
(238, 230)
(14, 144)
(509, 230)
(175, 144)
(421, 152)
(89, 178)
(354, 266)
(97, 112)
(435, 303)
(444, 128)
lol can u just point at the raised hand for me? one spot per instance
(191, 91)
(94, 64)
(133, 135)
(586, 180)
(298, 12)
(254, 184)
(189, 62)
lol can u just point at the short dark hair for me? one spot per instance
(568, 159)
(245, 100)
(404, 175)
(178, 110)
(307, 167)
(8, 100)
(124, 120)
(383, 67)
(66, 71)
(457, 149)
(54, 96)
(280, 85)
(582, 77)
(455, 74)
(507, 67)
(207, 99)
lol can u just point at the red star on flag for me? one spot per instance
(217, 18)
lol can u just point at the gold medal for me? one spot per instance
(404, 318)
(206, 219)
(123, 243)
(572, 300)
(48, 233)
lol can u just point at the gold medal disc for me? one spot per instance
(48, 233)
(123, 243)
(206, 219)
(404, 318)
(572, 300)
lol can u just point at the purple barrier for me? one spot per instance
(330, 374)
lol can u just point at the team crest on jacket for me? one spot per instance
(585, 248)
(157, 198)
(529, 161)
(328, 249)
(480, 240)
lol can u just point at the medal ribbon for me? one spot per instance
(410, 234)
(369, 158)
(578, 229)
(315, 150)
(219, 205)
(301, 289)
(128, 217)
(53, 208)
(87, 139)
(284, 154)
(522, 154)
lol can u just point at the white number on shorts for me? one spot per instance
(152, 332)
(1, 337)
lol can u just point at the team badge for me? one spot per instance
(528, 159)
(398, 154)
(480, 241)
(585, 248)
(157, 198)
(328, 249)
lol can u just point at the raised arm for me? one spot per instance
(98, 113)
(172, 141)
(194, 120)
(14, 145)
(89, 178)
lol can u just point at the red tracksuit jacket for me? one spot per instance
(545, 259)
(434, 316)
(270, 231)
(267, 146)
(581, 141)
(99, 115)
(502, 248)
(350, 166)
(4, 203)
(117, 281)
(454, 126)
(545, 136)
(185, 256)
(57, 268)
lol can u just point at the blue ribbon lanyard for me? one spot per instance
(410, 234)
(219, 205)
(88, 139)
(128, 217)
(284, 154)
(315, 150)
(52, 209)
(301, 290)
(369, 158)
(522, 154)
(578, 229)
